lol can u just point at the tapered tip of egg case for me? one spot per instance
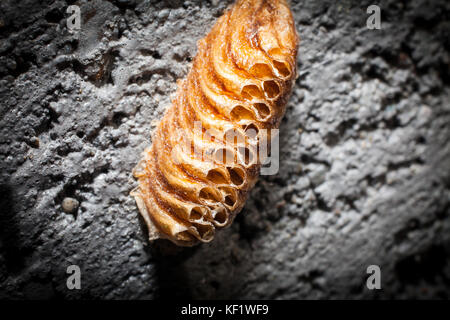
(153, 233)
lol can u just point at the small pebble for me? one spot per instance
(70, 205)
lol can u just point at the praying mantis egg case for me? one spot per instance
(191, 183)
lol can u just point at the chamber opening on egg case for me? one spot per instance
(221, 216)
(230, 201)
(252, 91)
(282, 68)
(262, 108)
(196, 213)
(275, 52)
(203, 229)
(210, 194)
(271, 88)
(230, 196)
(237, 175)
(240, 113)
(216, 176)
(251, 130)
(261, 70)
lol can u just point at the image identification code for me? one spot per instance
(230, 309)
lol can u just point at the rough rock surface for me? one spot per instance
(364, 158)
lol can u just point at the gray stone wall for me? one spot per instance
(364, 155)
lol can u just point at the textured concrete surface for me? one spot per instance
(365, 155)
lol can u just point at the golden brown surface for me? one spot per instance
(238, 86)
